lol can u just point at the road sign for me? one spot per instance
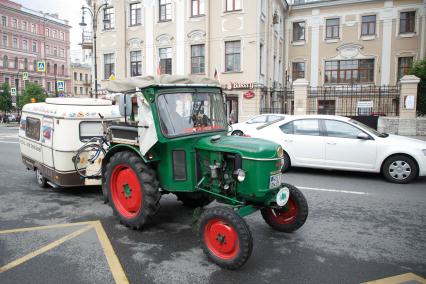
(41, 66)
(61, 85)
(25, 76)
(13, 91)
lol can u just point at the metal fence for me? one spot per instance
(354, 100)
(277, 101)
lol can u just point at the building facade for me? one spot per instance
(81, 80)
(27, 37)
(239, 41)
(341, 42)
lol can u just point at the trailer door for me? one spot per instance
(47, 142)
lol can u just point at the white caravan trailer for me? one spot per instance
(50, 134)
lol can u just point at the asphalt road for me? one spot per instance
(360, 228)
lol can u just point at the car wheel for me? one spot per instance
(237, 133)
(399, 169)
(287, 163)
(41, 180)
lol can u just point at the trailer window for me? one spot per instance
(90, 129)
(33, 128)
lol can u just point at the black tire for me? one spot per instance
(225, 217)
(194, 199)
(148, 188)
(81, 170)
(287, 163)
(237, 133)
(291, 216)
(400, 169)
(41, 180)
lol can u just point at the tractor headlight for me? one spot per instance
(240, 175)
(280, 152)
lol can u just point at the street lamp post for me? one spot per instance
(94, 12)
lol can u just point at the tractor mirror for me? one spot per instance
(125, 105)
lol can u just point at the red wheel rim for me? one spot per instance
(285, 215)
(221, 239)
(126, 191)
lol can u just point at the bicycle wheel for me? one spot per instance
(88, 161)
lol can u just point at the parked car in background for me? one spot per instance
(239, 129)
(341, 143)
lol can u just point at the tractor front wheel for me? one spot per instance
(132, 189)
(225, 237)
(291, 216)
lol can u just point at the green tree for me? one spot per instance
(5, 98)
(419, 70)
(32, 91)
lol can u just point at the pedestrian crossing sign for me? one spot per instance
(112, 77)
(25, 76)
(61, 85)
(41, 66)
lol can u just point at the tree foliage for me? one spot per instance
(32, 91)
(5, 98)
(419, 70)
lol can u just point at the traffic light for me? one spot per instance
(33, 100)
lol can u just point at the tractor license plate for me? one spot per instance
(275, 181)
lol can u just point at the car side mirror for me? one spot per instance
(125, 105)
(363, 136)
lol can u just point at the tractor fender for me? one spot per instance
(119, 148)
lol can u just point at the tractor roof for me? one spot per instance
(129, 85)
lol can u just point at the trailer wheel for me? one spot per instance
(194, 199)
(225, 237)
(132, 188)
(291, 216)
(41, 180)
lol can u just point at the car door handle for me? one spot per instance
(331, 143)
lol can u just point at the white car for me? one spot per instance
(335, 142)
(240, 128)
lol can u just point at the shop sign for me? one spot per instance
(239, 85)
(249, 95)
(365, 104)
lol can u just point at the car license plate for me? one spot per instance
(275, 181)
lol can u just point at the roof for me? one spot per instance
(78, 101)
(130, 84)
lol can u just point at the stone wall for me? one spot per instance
(402, 126)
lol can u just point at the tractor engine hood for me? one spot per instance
(249, 148)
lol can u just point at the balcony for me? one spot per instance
(86, 40)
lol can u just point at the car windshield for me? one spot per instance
(185, 113)
(368, 128)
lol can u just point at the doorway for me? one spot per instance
(232, 109)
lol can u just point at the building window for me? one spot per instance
(55, 51)
(109, 65)
(81, 90)
(33, 28)
(46, 32)
(25, 44)
(407, 22)
(86, 79)
(233, 56)
(47, 49)
(233, 5)
(24, 26)
(165, 10)
(35, 65)
(62, 70)
(165, 60)
(48, 67)
(135, 14)
(349, 71)
(332, 28)
(4, 20)
(135, 63)
(16, 63)
(368, 26)
(197, 59)
(5, 62)
(75, 90)
(298, 31)
(26, 64)
(34, 46)
(81, 76)
(15, 42)
(261, 58)
(15, 23)
(4, 40)
(298, 70)
(327, 107)
(55, 33)
(75, 76)
(62, 36)
(108, 18)
(62, 52)
(197, 8)
(404, 66)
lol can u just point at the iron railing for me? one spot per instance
(277, 101)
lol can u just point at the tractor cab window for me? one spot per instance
(186, 113)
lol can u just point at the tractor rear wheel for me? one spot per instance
(291, 216)
(225, 237)
(194, 199)
(132, 188)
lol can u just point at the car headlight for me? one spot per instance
(424, 151)
(280, 152)
(240, 175)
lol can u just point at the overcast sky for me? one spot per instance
(67, 9)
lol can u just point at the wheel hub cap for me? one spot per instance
(399, 170)
(221, 239)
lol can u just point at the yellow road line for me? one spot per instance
(113, 262)
(399, 279)
(44, 227)
(44, 249)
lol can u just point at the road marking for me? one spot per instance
(112, 259)
(399, 279)
(333, 190)
(44, 249)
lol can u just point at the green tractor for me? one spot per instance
(175, 141)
